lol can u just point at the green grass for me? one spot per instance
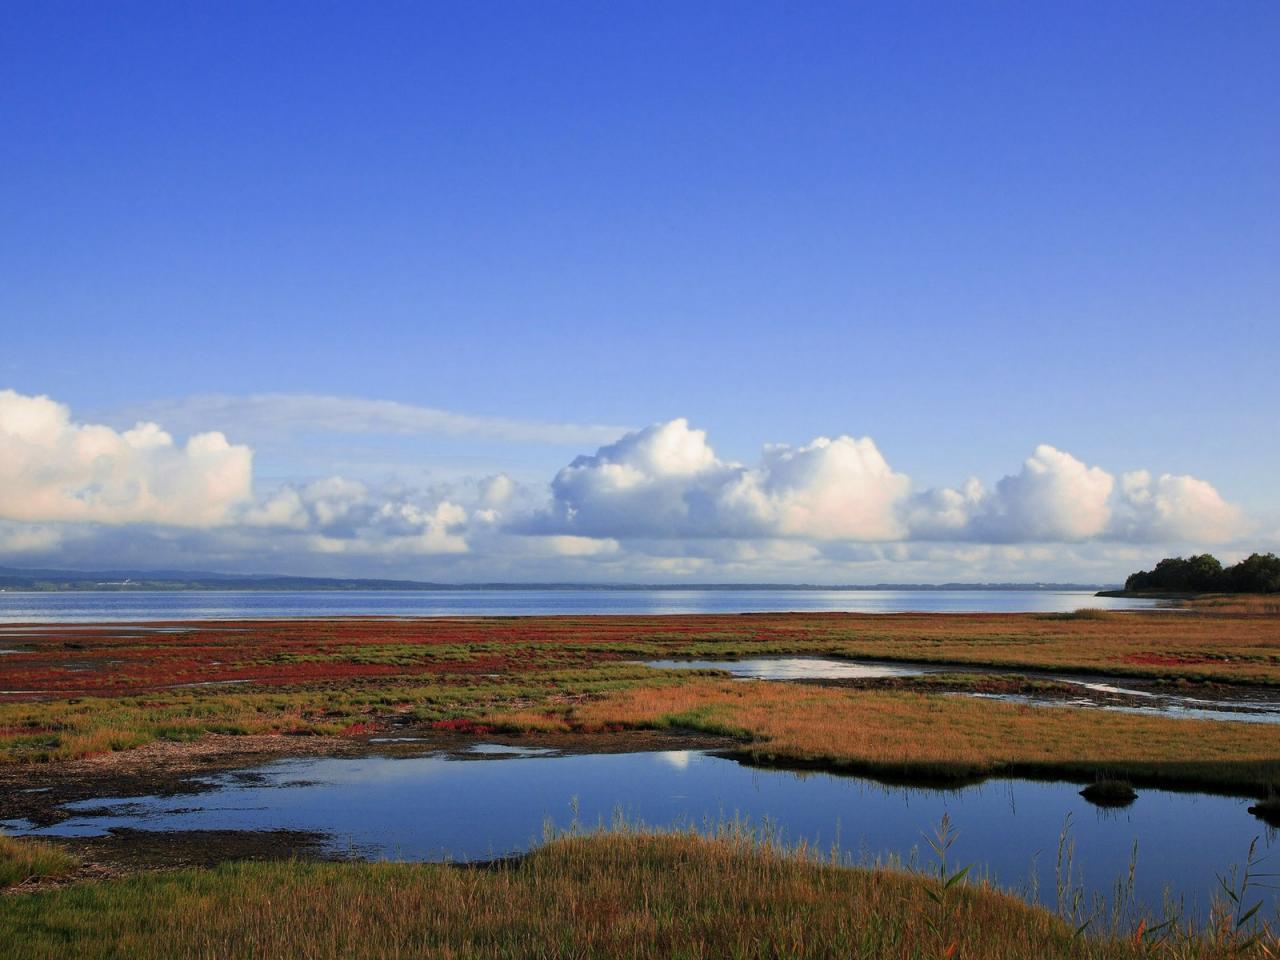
(23, 860)
(619, 894)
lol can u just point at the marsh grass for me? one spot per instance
(1240, 603)
(1082, 613)
(551, 675)
(609, 891)
(907, 733)
(27, 860)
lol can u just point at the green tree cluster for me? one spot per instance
(1203, 573)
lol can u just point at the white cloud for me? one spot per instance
(657, 503)
(567, 546)
(666, 481)
(55, 470)
(1054, 497)
(497, 490)
(841, 489)
(259, 414)
(339, 515)
(1170, 508)
(942, 513)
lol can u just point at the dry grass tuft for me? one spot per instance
(26, 860)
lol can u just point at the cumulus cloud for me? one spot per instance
(1056, 498)
(1170, 507)
(53, 469)
(1053, 497)
(841, 489)
(659, 481)
(654, 504)
(666, 481)
(343, 516)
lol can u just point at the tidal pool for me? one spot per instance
(497, 801)
(796, 668)
(1106, 693)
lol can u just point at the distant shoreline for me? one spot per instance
(1150, 594)
(292, 586)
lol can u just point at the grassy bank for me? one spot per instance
(607, 895)
(25, 861)
(917, 734)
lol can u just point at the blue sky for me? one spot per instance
(961, 230)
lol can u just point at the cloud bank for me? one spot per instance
(54, 470)
(656, 503)
(666, 481)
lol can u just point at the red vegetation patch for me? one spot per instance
(463, 726)
(119, 660)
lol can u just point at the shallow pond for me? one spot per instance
(796, 668)
(495, 801)
(1106, 693)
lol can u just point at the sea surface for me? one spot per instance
(129, 606)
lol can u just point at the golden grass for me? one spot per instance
(24, 860)
(611, 895)
(913, 733)
(1267, 604)
(1176, 645)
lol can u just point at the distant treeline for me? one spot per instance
(1259, 573)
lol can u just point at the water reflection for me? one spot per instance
(90, 607)
(795, 668)
(436, 807)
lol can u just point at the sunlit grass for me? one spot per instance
(26, 860)
(615, 894)
(904, 732)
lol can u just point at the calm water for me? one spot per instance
(798, 668)
(89, 607)
(436, 807)
(1104, 693)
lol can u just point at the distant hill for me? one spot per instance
(14, 578)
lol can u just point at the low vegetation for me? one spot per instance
(911, 734)
(78, 692)
(75, 692)
(28, 861)
(618, 894)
